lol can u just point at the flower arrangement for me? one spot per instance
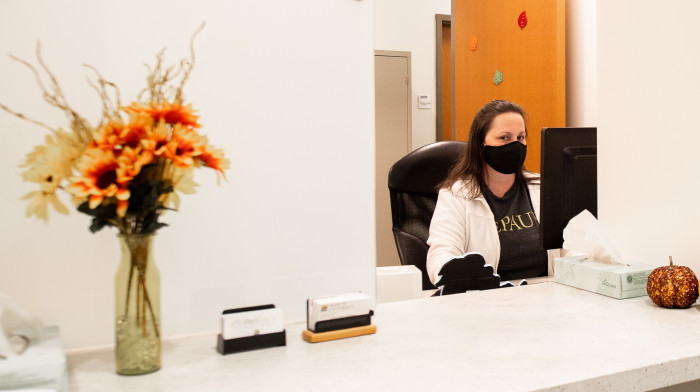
(129, 168)
(124, 172)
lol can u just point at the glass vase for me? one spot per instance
(137, 296)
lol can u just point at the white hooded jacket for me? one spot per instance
(460, 225)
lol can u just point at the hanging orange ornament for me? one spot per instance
(522, 20)
(473, 42)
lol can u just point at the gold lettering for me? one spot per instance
(533, 218)
(504, 222)
(513, 223)
(520, 217)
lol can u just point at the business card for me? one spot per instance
(255, 322)
(336, 307)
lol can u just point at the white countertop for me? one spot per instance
(536, 337)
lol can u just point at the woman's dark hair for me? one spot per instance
(471, 167)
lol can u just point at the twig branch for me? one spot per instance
(128, 287)
(25, 118)
(108, 108)
(153, 314)
(54, 96)
(80, 125)
(187, 66)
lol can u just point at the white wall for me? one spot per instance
(648, 95)
(581, 67)
(285, 88)
(409, 26)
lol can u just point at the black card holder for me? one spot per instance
(343, 323)
(254, 342)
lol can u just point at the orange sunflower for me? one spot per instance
(214, 158)
(115, 135)
(135, 131)
(131, 160)
(174, 113)
(157, 138)
(184, 146)
(107, 136)
(101, 177)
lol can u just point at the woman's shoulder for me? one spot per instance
(532, 180)
(459, 188)
(531, 175)
(459, 196)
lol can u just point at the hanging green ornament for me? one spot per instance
(498, 77)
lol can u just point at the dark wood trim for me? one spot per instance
(440, 20)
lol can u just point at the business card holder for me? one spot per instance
(247, 343)
(250, 328)
(315, 337)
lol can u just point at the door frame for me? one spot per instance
(440, 21)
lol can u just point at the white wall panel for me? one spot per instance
(648, 161)
(285, 88)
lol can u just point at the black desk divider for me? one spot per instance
(254, 342)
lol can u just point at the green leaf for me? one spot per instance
(102, 215)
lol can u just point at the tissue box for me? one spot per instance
(612, 280)
(398, 283)
(41, 366)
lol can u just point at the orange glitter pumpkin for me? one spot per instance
(674, 286)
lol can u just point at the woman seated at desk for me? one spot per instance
(489, 203)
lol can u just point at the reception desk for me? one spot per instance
(542, 337)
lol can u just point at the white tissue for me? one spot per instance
(17, 328)
(584, 234)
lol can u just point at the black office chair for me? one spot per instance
(412, 189)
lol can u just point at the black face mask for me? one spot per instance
(506, 159)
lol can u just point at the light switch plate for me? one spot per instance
(425, 101)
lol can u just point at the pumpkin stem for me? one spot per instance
(670, 260)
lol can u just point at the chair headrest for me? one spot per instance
(423, 169)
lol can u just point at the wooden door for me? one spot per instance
(392, 94)
(531, 57)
